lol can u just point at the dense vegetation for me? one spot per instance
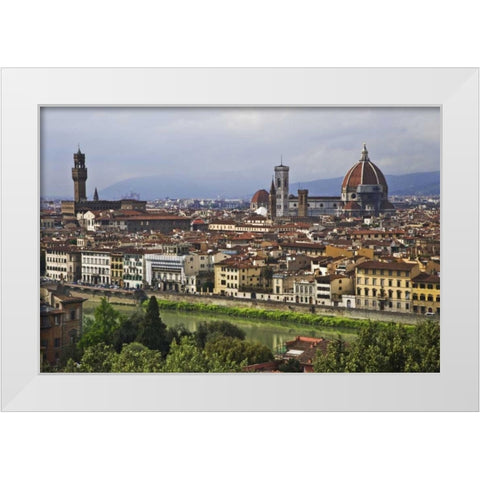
(274, 315)
(143, 343)
(390, 349)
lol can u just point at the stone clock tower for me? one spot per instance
(79, 176)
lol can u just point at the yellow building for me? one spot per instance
(236, 274)
(385, 286)
(426, 294)
(117, 269)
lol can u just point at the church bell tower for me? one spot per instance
(79, 176)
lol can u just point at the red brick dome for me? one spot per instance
(364, 172)
(260, 198)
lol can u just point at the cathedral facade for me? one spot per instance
(364, 191)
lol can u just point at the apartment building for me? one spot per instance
(96, 267)
(426, 294)
(331, 288)
(385, 285)
(63, 264)
(237, 274)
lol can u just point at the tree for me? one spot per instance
(423, 350)
(127, 331)
(334, 359)
(177, 332)
(206, 331)
(185, 357)
(136, 358)
(98, 358)
(102, 328)
(229, 349)
(152, 332)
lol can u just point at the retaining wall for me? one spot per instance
(129, 299)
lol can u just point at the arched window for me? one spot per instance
(422, 297)
(399, 294)
(430, 298)
(366, 291)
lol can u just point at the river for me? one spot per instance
(269, 333)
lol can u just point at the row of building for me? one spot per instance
(294, 273)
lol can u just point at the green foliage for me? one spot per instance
(206, 331)
(391, 348)
(186, 356)
(135, 358)
(335, 358)
(234, 350)
(177, 332)
(98, 358)
(69, 352)
(152, 332)
(272, 315)
(127, 331)
(102, 328)
(71, 366)
(292, 365)
(424, 348)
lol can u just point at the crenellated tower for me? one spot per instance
(79, 176)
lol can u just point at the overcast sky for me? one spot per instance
(239, 145)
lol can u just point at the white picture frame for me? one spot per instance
(24, 91)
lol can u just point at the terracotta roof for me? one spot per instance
(364, 173)
(388, 265)
(261, 196)
(425, 277)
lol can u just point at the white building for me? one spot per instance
(133, 269)
(176, 272)
(96, 267)
(63, 264)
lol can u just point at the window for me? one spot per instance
(72, 315)
(56, 343)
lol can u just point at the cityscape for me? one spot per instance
(335, 271)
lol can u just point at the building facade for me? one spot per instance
(63, 264)
(96, 267)
(385, 286)
(426, 294)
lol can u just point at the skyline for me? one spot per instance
(232, 150)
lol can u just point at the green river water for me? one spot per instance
(269, 333)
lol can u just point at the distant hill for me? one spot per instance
(149, 188)
(425, 183)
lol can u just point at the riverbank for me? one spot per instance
(278, 316)
(272, 333)
(353, 318)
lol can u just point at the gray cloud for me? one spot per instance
(240, 145)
